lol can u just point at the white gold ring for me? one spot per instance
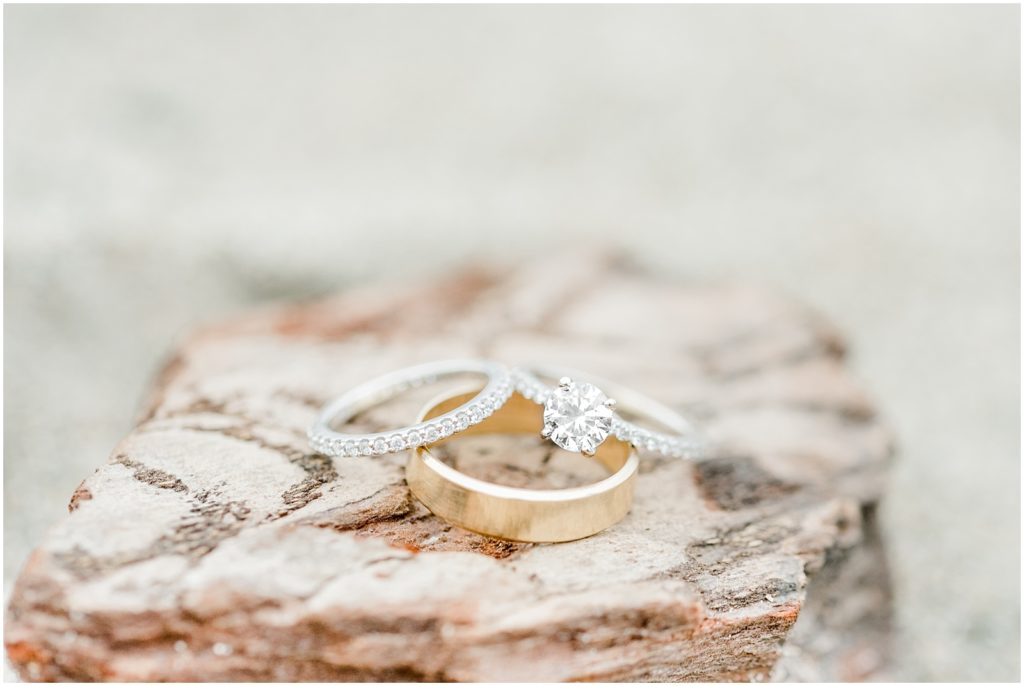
(578, 415)
(494, 394)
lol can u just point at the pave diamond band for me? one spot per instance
(494, 394)
(683, 442)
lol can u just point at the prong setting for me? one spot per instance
(681, 441)
(577, 416)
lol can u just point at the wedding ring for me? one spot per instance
(520, 514)
(473, 410)
(577, 406)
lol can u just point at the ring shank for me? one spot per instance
(328, 441)
(519, 514)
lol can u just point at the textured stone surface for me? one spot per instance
(215, 545)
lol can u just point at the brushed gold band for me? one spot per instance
(521, 514)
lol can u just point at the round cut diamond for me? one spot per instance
(577, 417)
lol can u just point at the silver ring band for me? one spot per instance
(327, 441)
(683, 441)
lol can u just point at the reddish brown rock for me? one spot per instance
(214, 545)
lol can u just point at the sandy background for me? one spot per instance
(164, 166)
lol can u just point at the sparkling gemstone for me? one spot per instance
(447, 427)
(396, 443)
(380, 446)
(578, 417)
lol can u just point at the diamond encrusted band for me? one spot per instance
(683, 442)
(327, 441)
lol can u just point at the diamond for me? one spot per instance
(396, 443)
(577, 416)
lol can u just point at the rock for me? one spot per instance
(214, 545)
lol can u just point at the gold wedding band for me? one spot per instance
(521, 514)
